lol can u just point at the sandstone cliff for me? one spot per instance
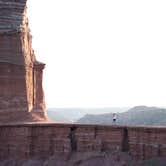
(51, 144)
(21, 93)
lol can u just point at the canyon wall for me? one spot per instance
(44, 140)
(21, 90)
(22, 100)
(147, 142)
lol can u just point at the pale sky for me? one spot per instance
(101, 53)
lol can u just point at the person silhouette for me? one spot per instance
(114, 118)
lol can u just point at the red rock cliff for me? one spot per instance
(21, 93)
(79, 145)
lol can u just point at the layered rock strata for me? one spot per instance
(44, 141)
(21, 90)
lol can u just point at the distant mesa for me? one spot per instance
(21, 92)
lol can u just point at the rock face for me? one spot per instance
(80, 145)
(21, 93)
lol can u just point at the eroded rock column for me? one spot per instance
(21, 92)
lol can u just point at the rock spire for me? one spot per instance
(21, 92)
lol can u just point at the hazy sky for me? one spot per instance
(101, 53)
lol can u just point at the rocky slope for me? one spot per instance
(86, 159)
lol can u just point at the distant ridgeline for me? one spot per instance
(140, 115)
(21, 93)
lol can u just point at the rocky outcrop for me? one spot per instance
(21, 90)
(45, 140)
